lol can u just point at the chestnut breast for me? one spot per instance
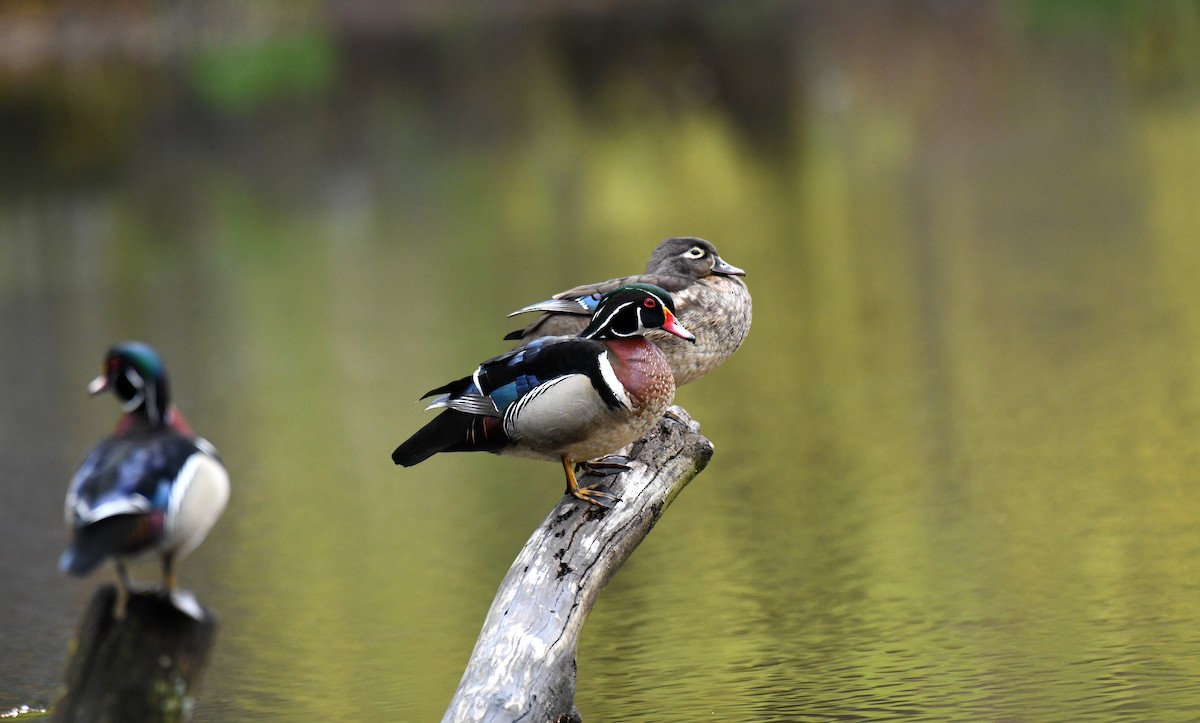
(643, 370)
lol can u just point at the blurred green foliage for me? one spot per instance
(244, 77)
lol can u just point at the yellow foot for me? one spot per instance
(598, 494)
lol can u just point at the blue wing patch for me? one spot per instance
(504, 396)
(589, 302)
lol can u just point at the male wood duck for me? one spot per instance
(564, 398)
(153, 486)
(712, 302)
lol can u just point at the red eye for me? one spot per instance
(648, 303)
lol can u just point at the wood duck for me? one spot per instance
(563, 398)
(712, 302)
(152, 487)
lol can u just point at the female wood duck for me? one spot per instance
(153, 486)
(712, 301)
(563, 398)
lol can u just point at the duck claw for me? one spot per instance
(597, 493)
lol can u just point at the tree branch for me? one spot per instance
(523, 665)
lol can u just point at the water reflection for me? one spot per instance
(953, 470)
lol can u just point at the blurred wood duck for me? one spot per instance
(569, 399)
(152, 487)
(712, 300)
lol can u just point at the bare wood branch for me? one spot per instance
(523, 664)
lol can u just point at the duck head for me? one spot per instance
(631, 311)
(691, 257)
(134, 373)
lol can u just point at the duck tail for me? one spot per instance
(452, 431)
(111, 536)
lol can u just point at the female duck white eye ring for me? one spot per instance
(694, 252)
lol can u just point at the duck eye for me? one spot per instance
(649, 303)
(694, 252)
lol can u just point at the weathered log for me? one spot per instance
(523, 664)
(139, 666)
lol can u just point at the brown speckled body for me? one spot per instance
(718, 311)
(642, 369)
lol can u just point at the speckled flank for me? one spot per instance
(718, 336)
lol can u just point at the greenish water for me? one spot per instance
(956, 459)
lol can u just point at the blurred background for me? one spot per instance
(956, 459)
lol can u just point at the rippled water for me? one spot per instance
(955, 461)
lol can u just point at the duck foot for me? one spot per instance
(607, 465)
(597, 493)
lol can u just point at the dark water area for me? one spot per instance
(956, 459)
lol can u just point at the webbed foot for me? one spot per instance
(597, 493)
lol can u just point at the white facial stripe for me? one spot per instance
(139, 385)
(614, 313)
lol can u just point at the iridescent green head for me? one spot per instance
(134, 372)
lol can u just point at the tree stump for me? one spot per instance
(523, 664)
(140, 666)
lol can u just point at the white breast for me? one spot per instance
(198, 498)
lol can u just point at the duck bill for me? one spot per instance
(726, 269)
(97, 385)
(671, 325)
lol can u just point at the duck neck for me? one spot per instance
(138, 421)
